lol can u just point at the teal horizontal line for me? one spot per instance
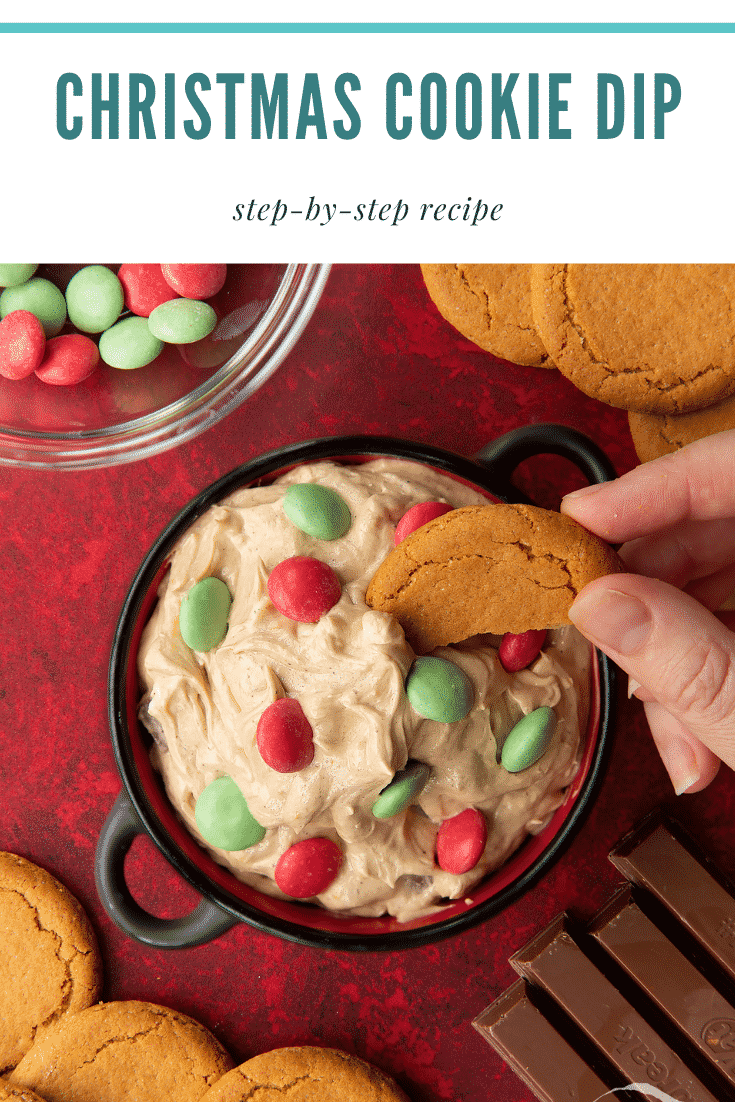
(367, 28)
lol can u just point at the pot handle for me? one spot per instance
(206, 922)
(502, 456)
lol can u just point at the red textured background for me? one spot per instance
(376, 357)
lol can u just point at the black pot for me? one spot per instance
(142, 806)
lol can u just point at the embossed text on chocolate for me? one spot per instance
(626, 1041)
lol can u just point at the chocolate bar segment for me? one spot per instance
(659, 858)
(669, 979)
(554, 961)
(536, 1052)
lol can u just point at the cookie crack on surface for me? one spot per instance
(442, 564)
(680, 381)
(125, 1038)
(576, 326)
(254, 1089)
(548, 557)
(482, 298)
(66, 988)
(613, 373)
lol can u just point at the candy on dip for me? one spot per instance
(317, 510)
(374, 773)
(203, 614)
(308, 867)
(223, 816)
(516, 652)
(439, 690)
(303, 589)
(402, 790)
(527, 741)
(285, 737)
(417, 516)
(461, 840)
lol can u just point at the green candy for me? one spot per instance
(39, 297)
(528, 740)
(437, 689)
(203, 614)
(402, 790)
(317, 510)
(224, 818)
(182, 321)
(129, 344)
(94, 299)
(12, 275)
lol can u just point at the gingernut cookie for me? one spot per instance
(50, 965)
(656, 338)
(8, 1092)
(306, 1074)
(659, 434)
(131, 1051)
(490, 304)
(487, 568)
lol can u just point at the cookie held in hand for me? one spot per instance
(305, 1074)
(488, 569)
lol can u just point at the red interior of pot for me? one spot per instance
(310, 915)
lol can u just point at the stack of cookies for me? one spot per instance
(657, 340)
(59, 1044)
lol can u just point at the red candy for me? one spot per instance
(308, 867)
(144, 287)
(22, 344)
(285, 737)
(518, 651)
(460, 841)
(195, 280)
(68, 359)
(303, 589)
(417, 516)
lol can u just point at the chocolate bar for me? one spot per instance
(660, 858)
(554, 962)
(536, 1052)
(669, 1017)
(669, 979)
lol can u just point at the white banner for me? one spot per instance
(366, 145)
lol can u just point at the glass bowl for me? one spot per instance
(117, 416)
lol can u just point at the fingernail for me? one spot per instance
(633, 686)
(613, 620)
(585, 491)
(680, 763)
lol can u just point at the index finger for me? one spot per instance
(695, 483)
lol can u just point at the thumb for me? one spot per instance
(664, 639)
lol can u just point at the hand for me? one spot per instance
(675, 518)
